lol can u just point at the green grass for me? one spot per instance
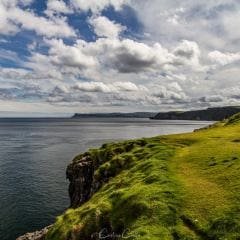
(183, 186)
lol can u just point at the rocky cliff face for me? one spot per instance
(82, 184)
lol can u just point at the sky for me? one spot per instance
(58, 57)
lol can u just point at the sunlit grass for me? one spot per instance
(183, 186)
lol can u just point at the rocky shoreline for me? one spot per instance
(38, 235)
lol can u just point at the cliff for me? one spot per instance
(82, 182)
(210, 114)
(183, 186)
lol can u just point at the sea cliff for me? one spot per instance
(183, 186)
(209, 114)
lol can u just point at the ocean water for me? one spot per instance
(34, 154)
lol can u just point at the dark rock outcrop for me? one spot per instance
(38, 235)
(80, 175)
(83, 184)
(210, 114)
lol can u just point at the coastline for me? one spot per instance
(156, 167)
(37, 235)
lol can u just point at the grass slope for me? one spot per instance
(183, 186)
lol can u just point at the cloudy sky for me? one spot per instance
(65, 56)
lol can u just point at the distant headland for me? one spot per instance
(209, 114)
(115, 115)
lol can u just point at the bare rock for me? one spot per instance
(82, 183)
(38, 235)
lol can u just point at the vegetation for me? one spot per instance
(183, 186)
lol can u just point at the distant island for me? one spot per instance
(115, 115)
(209, 114)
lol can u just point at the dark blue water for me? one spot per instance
(34, 154)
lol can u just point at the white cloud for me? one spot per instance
(188, 52)
(32, 46)
(106, 88)
(9, 55)
(12, 18)
(170, 93)
(57, 6)
(121, 93)
(97, 5)
(103, 27)
(175, 86)
(6, 26)
(174, 66)
(130, 56)
(205, 22)
(93, 87)
(224, 58)
(72, 56)
(127, 86)
(124, 56)
(54, 27)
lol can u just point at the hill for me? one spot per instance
(209, 114)
(183, 186)
(115, 115)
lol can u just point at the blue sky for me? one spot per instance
(59, 57)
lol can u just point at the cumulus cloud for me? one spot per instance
(58, 7)
(224, 58)
(72, 56)
(122, 55)
(12, 18)
(204, 22)
(131, 56)
(117, 94)
(170, 93)
(100, 93)
(103, 27)
(47, 27)
(106, 88)
(6, 26)
(21, 92)
(13, 73)
(93, 87)
(187, 52)
(173, 63)
(97, 5)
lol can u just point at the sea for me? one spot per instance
(34, 154)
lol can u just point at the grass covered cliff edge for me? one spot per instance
(183, 186)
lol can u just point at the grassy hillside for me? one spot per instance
(183, 186)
